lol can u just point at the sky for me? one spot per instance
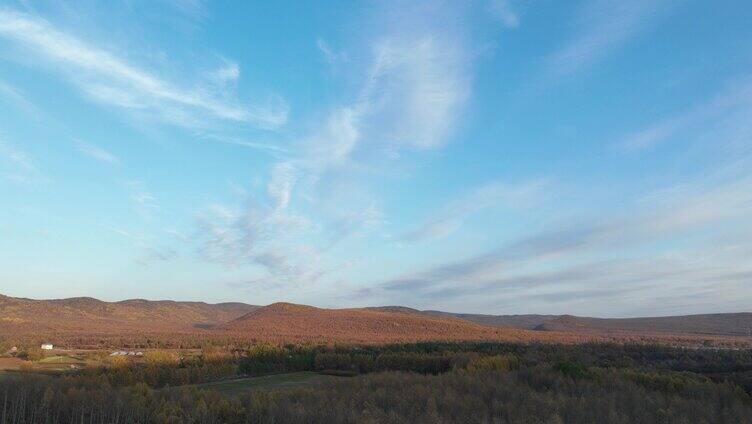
(589, 157)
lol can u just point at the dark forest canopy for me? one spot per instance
(423, 382)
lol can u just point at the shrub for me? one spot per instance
(502, 363)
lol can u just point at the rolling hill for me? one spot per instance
(290, 322)
(279, 322)
(729, 324)
(88, 315)
(732, 324)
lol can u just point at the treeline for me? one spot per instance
(271, 359)
(422, 382)
(165, 368)
(546, 393)
(433, 358)
(733, 366)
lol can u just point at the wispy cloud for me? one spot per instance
(227, 73)
(266, 237)
(329, 54)
(18, 157)
(451, 217)
(16, 97)
(411, 98)
(110, 79)
(601, 27)
(144, 202)
(418, 87)
(415, 81)
(264, 234)
(274, 150)
(148, 252)
(195, 9)
(97, 153)
(670, 242)
(22, 168)
(734, 103)
(503, 10)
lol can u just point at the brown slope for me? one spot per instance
(727, 324)
(88, 315)
(290, 322)
(730, 324)
(526, 321)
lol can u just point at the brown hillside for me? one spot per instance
(88, 315)
(290, 322)
(731, 324)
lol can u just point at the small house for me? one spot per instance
(47, 346)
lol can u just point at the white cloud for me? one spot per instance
(275, 151)
(147, 251)
(144, 202)
(734, 104)
(22, 168)
(268, 238)
(97, 153)
(415, 83)
(417, 89)
(451, 217)
(652, 135)
(330, 55)
(601, 27)
(412, 96)
(110, 79)
(18, 157)
(281, 183)
(228, 72)
(15, 96)
(194, 9)
(503, 11)
(336, 140)
(675, 241)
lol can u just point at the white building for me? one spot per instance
(47, 346)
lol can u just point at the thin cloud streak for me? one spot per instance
(97, 153)
(503, 10)
(603, 26)
(18, 157)
(734, 103)
(14, 96)
(599, 256)
(453, 215)
(110, 79)
(147, 253)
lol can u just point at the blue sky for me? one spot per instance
(506, 156)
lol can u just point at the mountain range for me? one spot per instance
(286, 321)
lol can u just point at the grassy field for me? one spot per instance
(60, 359)
(276, 381)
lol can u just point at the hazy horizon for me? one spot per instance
(590, 158)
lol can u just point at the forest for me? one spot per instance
(400, 383)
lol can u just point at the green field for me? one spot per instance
(59, 359)
(275, 381)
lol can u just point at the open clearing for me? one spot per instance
(10, 364)
(275, 381)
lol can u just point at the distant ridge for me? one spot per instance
(730, 324)
(89, 315)
(727, 324)
(287, 321)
